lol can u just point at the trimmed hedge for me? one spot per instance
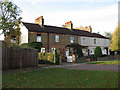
(48, 56)
(57, 58)
(98, 52)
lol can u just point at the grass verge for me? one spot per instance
(61, 78)
(106, 62)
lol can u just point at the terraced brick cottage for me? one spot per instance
(54, 37)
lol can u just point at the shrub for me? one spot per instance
(46, 56)
(78, 49)
(98, 52)
(57, 58)
(45, 62)
(36, 45)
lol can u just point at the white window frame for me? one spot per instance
(104, 42)
(13, 40)
(57, 37)
(53, 50)
(72, 40)
(67, 52)
(42, 49)
(39, 38)
(95, 41)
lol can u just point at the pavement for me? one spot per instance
(78, 66)
(84, 66)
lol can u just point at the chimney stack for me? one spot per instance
(89, 29)
(69, 25)
(40, 21)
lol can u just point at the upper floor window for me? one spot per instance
(13, 39)
(72, 39)
(94, 41)
(56, 38)
(38, 37)
(84, 39)
(105, 42)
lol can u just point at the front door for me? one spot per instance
(67, 52)
(88, 52)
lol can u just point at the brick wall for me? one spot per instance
(63, 40)
(8, 40)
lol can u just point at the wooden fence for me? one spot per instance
(19, 58)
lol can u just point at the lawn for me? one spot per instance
(60, 78)
(106, 62)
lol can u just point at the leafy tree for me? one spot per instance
(9, 18)
(108, 35)
(98, 52)
(115, 41)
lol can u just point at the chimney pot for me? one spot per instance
(69, 25)
(40, 21)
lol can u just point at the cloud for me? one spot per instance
(101, 20)
(104, 19)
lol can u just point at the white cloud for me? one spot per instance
(101, 20)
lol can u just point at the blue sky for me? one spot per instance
(102, 15)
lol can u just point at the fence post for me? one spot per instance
(0, 64)
(20, 59)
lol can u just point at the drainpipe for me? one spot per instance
(47, 42)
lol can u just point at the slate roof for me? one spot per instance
(59, 30)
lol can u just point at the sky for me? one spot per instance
(101, 15)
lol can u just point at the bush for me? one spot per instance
(78, 49)
(57, 58)
(46, 56)
(104, 55)
(98, 52)
(92, 57)
(45, 62)
(35, 45)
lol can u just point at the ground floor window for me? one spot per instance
(104, 51)
(42, 49)
(53, 50)
(67, 52)
(92, 52)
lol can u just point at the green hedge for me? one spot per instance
(98, 52)
(57, 58)
(35, 45)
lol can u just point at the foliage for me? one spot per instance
(36, 45)
(115, 41)
(60, 78)
(9, 18)
(98, 52)
(57, 58)
(48, 56)
(78, 49)
(108, 35)
(92, 57)
(45, 62)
